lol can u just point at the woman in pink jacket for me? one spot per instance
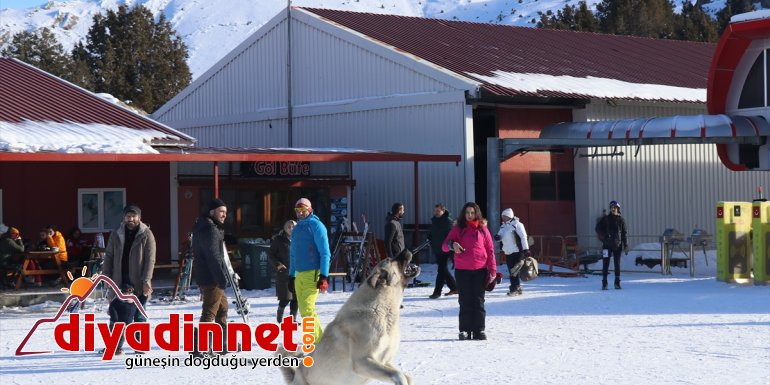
(475, 268)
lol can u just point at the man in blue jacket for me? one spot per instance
(308, 261)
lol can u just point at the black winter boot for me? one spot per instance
(604, 284)
(617, 284)
(280, 314)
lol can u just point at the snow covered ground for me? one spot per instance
(656, 330)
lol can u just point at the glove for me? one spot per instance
(526, 253)
(625, 249)
(323, 284)
(280, 268)
(493, 279)
(497, 237)
(291, 285)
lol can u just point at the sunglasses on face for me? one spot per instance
(301, 210)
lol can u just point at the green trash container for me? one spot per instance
(254, 264)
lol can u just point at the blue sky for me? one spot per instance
(20, 3)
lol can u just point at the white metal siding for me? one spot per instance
(326, 67)
(663, 186)
(252, 79)
(429, 129)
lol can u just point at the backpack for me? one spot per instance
(529, 270)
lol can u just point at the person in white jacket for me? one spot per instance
(515, 246)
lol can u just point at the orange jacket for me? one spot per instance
(57, 240)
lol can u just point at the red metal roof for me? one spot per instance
(27, 93)
(465, 47)
(230, 154)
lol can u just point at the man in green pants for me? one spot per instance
(309, 261)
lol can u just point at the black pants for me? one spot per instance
(615, 255)
(510, 261)
(444, 276)
(293, 306)
(471, 284)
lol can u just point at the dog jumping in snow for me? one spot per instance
(362, 340)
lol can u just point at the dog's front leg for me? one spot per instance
(369, 368)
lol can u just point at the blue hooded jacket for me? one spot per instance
(309, 247)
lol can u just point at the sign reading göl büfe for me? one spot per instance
(274, 169)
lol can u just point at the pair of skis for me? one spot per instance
(241, 304)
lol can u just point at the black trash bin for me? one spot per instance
(254, 264)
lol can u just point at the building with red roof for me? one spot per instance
(318, 77)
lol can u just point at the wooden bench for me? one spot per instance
(333, 278)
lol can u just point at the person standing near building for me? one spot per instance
(209, 253)
(515, 246)
(475, 268)
(440, 227)
(308, 262)
(612, 231)
(130, 255)
(279, 256)
(11, 247)
(394, 231)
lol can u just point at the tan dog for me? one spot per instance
(362, 340)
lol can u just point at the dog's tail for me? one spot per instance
(288, 371)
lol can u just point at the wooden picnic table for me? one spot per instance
(38, 257)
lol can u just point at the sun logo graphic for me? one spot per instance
(80, 289)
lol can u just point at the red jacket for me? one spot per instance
(479, 250)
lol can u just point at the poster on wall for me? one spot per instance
(339, 213)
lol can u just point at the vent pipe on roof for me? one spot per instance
(288, 74)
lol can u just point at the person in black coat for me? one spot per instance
(209, 254)
(279, 258)
(611, 230)
(394, 231)
(440, 227)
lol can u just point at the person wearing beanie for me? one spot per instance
(475, 268)
(612, 231)
(515, 246)
(309, 257)
(11, 246)
(209, 252)
(130, 255)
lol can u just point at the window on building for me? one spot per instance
(753, 92)
(100, 210)
(552, 186)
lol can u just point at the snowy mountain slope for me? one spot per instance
(213, 28)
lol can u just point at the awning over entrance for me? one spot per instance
(717, 129)
(659, 130)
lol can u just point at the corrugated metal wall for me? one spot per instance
(663, 186)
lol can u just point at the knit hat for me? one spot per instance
(507, 213)
(303, 202)
(132, 208)
(216, 203)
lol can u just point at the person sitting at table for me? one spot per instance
(55, 239)
(11, 248)
(77, 246)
